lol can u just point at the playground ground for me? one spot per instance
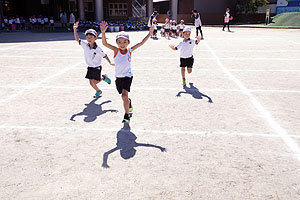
(231, 133)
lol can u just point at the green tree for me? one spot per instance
(249, 6)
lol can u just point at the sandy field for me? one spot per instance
(231, 134)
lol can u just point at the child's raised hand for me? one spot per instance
(75, 26)
(172, 46)
(103, 26)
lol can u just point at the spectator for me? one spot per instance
(71, 21)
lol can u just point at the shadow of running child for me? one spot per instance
(192, 90)
(126, 143)
(92, 111)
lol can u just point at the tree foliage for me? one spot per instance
(249, 6)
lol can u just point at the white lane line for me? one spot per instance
(36, 85)
(263, 111)
(264, 70)
(163, 58)
(153, 89)
(190, 132)
(162, 50)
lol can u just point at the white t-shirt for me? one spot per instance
(123, 64)
(226, 17)
(198, 21)
(93, 56)
(186, 48)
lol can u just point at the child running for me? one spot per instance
(93, 57)
(181, 26)
(122, 57)
(186, 52)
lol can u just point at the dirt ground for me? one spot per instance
(231, 133)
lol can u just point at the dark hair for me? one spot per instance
(194, 11)
(90, 34)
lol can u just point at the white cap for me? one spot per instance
(182, 20)
(122, 34)
(91, 31)
(187, 29)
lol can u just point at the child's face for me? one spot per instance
(123, 43)
(187, 34)
(90, 38)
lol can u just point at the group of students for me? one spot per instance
(41, 22)
(122, 60)
(122, 55)
(14, 23)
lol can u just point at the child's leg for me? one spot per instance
(189, 70)
(201, 31)
(94, 83)
(125, 101)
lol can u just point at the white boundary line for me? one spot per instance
(172, 132)
(36, 85)
(164, 69)
(163, 58)
(263, 111)
(152, 88)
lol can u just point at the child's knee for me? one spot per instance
(189, 70)
(124, 96)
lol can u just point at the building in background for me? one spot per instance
(211, 11)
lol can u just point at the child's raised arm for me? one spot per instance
(144, 40)
(103, 27)
(75, 31)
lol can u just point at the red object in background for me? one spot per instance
(230, 18)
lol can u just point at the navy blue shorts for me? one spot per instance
(123, 83)
(187, 62)
(94, 73)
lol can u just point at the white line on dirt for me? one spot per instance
(36, 85)
(263, 111)
(191, 132)
(162, 58)
(152, 89)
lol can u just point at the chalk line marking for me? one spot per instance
(152, 88)
(263, 111)
(190, 132)
(36, 85)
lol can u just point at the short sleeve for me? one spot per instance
(101, 52)
(83, 43)
(179, 45)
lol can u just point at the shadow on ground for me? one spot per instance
(92, 111)
(126, 143)
(192, 90)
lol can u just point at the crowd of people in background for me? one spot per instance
(168, 29)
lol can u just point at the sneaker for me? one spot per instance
(183, 82)
(97, 94)
(130, 106)
(126, 118)
(106, 79)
